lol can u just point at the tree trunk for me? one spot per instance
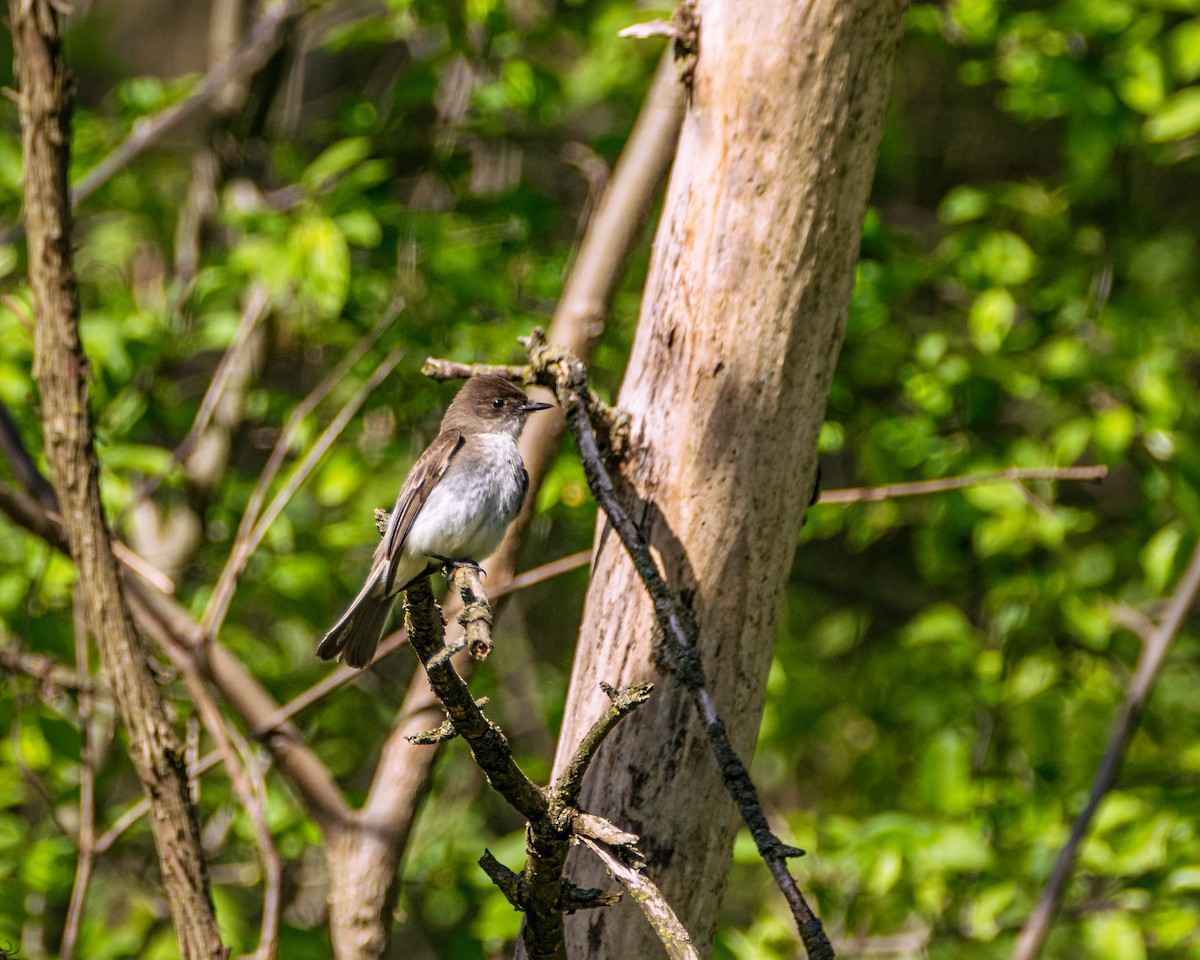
(741, 324)
(61, 368)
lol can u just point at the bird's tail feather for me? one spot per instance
(356, 635)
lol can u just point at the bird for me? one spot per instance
(453, 509)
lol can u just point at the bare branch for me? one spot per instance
(48, 672)
(1154, 652)
(488, 744)
(262, 41)
(944, 484)
(87, 794)
(476, 616)
(540, 891)
(569, 378)
(624, 702)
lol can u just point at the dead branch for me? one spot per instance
(672, 933)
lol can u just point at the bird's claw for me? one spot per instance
(453, 566)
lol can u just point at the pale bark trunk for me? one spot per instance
(741, 324)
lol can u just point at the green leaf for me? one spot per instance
(1184, 42)
(1158, 558)
(321, 259)
(991, 318)
(334, 161)
(1113, 936)
(1177, 117)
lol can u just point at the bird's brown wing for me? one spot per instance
(427, 471)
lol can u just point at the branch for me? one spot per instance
(87, 795)
(540, 890)
(61, 368)
(944, 484)
(23, 467)
(488, 744)
(476, 616)
(1154, 652)
(671, 932)
(624, 702)
(263, 40)
(48, 672)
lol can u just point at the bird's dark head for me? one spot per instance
(490, 404)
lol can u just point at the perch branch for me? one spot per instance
(540, 891)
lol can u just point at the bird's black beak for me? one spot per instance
(535, 407)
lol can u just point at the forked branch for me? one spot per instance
(540, 890)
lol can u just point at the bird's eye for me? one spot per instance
(498, 403)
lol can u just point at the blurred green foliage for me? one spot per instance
(948, 667)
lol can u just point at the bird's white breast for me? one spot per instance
(473, 503)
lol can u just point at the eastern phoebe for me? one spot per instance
(454, 507)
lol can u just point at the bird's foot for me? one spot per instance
(453, 566)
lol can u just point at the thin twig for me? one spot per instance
(1154, 652)
(624, 702)
(257, 301)
(243, 548)
(943, 484)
